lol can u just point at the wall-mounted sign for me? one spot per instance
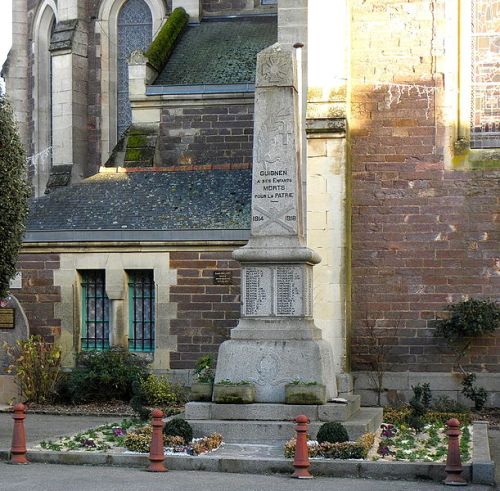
(7, 318)
(16, 282)
(223, 277)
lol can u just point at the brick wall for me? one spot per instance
(205, 312)
(218, 134)
(222, 5)
(39, 295)
(423, 235)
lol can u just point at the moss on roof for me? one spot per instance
(219, 51)
(188, 200)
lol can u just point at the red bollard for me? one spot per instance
(156, 455)
(301, 460)
(18, 449)
(453, 467)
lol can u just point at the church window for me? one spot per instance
(95, 311)
(141, 311)
(135, 29)
(485, 74)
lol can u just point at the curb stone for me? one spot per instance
(481, 471)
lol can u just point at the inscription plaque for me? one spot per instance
(289, 288)
(257, 291)
(223, 277)
(7, 318)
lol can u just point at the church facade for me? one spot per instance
(137, 116)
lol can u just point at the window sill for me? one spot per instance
(466, 158)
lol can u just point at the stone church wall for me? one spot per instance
(207, 134)
(205, 311)
(194, 313)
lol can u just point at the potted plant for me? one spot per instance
(228, 392)
(201, 388)
(300, 392)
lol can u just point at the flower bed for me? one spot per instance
(400, 442)
(342, 450)
(392, 443)
(130, 435)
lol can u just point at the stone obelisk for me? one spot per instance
(276, 340)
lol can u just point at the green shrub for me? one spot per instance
(332, 432)
(158, 391)
(164, 42)
(476, 394)
(36, 365)
(105, 375)
(204, 371)
(14, 194)
(179, 427)
(471, 318)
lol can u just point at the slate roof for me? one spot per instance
(190, 200)
(219, 51)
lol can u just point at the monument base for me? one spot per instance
(273, 423)
(271, 364)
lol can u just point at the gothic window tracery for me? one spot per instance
(135, 29)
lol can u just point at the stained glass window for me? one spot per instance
(485, 83)
(141, 311)
(135, 31)
(95, 311)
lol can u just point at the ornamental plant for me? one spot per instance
(332, 432)
(467, 320)
(105, 375)
(36, 365)
(204, 371)
(14, 194)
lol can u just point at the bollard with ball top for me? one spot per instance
(156, 454)
(453, 467)
(301, 460)
(18, 449)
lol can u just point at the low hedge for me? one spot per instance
(163, 44)
(340, 450)
(399, 416)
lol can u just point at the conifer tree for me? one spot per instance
(14, 194)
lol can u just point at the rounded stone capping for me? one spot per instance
(277, 254)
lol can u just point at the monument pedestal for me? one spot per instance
(271, 364)
(274, 423)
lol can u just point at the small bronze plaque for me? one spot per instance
(223, 277)
(7, 318)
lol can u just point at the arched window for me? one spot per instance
(107, 29)
(42, 95)
(135, 28)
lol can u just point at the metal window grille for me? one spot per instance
(95, 311)
(141, 311)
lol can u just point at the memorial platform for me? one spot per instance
(274, 423)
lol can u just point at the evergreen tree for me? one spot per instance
(14, 194)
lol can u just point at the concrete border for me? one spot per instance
(480, 471)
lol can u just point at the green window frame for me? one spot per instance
(95, 311)
(141, 295)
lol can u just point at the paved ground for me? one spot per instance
(42, 426)
(80, 478)
(67, 478)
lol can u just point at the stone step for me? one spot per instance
(275, 432)
(273, 412)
